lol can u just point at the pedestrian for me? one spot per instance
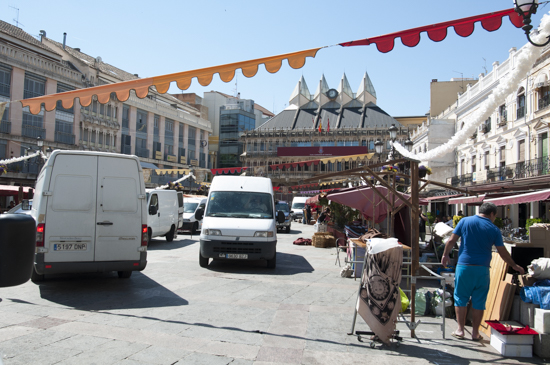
(324, 216)
(478, 234)
(449, 222)
(304, 216)
(308, 211)
(12, 205)
(422, 227)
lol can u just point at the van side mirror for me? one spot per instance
(199, 213)
(153, 210)
(280, 216)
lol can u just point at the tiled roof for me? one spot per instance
(102, 66)
(20, 34)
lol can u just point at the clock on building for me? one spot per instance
(332, 93)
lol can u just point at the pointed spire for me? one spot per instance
(366, 91)
(300, 95)
(344, 87)
(322, 88)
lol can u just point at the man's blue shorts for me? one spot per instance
(471, 281)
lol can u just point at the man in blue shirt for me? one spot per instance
(478, 234)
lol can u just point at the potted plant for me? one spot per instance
(423, 171)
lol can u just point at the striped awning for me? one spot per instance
(347, 158)
(228, 170)
(475, 200)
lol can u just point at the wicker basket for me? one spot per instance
(323, 240)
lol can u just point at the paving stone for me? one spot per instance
(282, 355)
(159, 355)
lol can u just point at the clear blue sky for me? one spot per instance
(166, 36)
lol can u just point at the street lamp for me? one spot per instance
(525, 8)
(393, 136)
(409, 144)
(378, 146)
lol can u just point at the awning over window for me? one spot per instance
(437, 32)
(475, 200)
(443, 197)
(521, 198)
(228, 170)
(347, 158)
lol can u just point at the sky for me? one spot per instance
(167, 36)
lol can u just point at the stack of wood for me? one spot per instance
(323, 240)
(501, 294)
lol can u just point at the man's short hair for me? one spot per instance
(488, 208)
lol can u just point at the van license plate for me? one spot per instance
(69, 247)
(237, 256)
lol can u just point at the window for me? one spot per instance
(101, 109)
(502, 153)
(521, 150)
(487, 125)
(521, 104)
(33, 126)
(126, 116)
(181, 135)
(474, 159)
(544, 97)
(61, 89)
(141, 121)
(34, 86)
(486, 160)
(5, 81)
(64, 132)
(502, 114)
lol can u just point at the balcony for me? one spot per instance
(544, 102)
(66, 138)
(126, 150)
(33, 132)
(521, 170)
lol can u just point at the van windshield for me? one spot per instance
(283, 207)
(298, 205)
(189, 207)
(236, 204)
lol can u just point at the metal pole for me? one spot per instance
(414, 239)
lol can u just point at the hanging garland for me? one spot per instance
(524, 63)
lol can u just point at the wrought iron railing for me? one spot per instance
(520, 170)
(66, 138)
(142, 152)
(520, 112)
(33, 132)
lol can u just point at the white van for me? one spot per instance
(239, 221)
(298, 203)
(190, 206)
(90, 212)
(162, 214)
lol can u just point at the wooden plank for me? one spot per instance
(497, 274)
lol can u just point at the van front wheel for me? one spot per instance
(170, 235)
(124, 274)
(203, 261)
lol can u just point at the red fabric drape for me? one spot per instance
(437, 32)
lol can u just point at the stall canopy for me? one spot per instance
(443, 197)
(228, 170)
(368, 202)
(474, 200)
(521, 198)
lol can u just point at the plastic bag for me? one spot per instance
(537, 295)
(423, 302)
(404, 301)
(346, 271)
(540, 268)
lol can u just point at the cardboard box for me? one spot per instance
(542, 321)
(512, 339)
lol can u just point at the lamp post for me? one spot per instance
(378, 146)
(525, 8)
(393, 136)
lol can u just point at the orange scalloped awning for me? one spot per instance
(162, 83)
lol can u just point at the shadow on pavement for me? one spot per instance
(287, 264)
(160, 244)
(105, 291)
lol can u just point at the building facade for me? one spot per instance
(331, 123)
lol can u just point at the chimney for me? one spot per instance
(42, 35)
(64, 39)
(77, 49)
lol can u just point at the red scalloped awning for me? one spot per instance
(228, 170)
(294, 164)
(437, 32)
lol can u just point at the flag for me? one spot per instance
(328, 125)
(320, 126)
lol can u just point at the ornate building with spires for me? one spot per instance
(315, 132)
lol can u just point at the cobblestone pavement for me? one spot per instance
(175, 312)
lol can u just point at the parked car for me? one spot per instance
(190, 206)
(283, 206)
